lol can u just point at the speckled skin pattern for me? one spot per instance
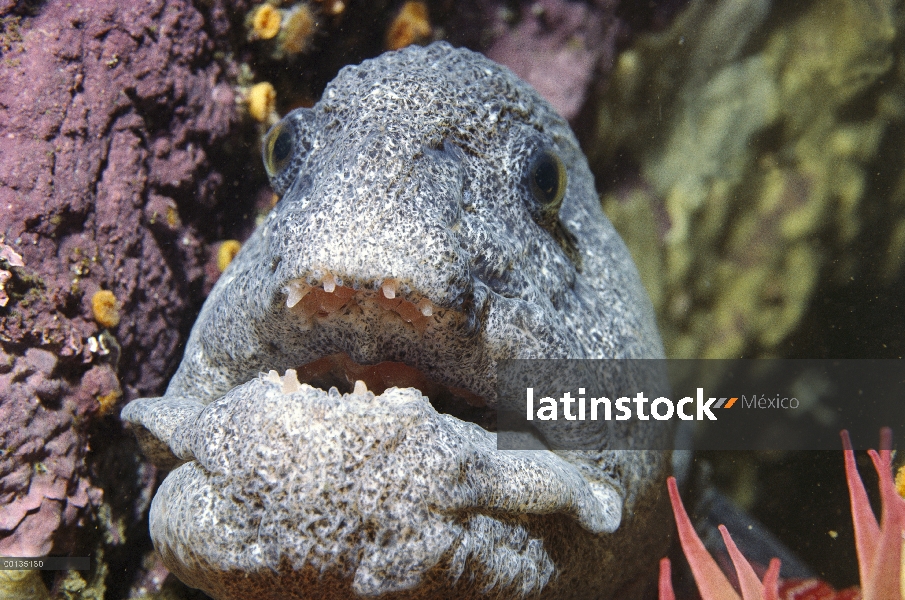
(411, 171)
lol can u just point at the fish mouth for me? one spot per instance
(340, 371)
(386, 335)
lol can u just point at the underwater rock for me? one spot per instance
(559, 47)
(757, 130)
(23, 585)
(107, 110)
(44, 485)
(564, 49)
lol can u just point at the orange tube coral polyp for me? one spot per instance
(410, 26)
(298, 30)
(226, 253)
(105, 308)
(265, 22)
(262, 101)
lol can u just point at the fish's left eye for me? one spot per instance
(547, 180)
(278, 147)
(547, 177)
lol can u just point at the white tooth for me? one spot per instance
(426, 308)
(389, 289)
(329, 284)
(273, 376)
(360, 388)
(295, 291)
(291, 382)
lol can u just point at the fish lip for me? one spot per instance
(339, 370)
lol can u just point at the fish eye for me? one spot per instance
(547, 177)
(278, 147)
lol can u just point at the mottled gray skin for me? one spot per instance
(413, 166)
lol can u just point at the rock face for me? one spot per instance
(560, 47)
(108, 111)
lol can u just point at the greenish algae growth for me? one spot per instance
(76, 587)
(22, 585)
(759, 135)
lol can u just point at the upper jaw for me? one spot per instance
(314, 297)
(386, 333)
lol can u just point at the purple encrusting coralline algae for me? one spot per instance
(559, 48)
(44, 484)
(108, 113)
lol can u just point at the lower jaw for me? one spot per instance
(340, 371)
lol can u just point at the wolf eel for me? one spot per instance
(436, 216)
